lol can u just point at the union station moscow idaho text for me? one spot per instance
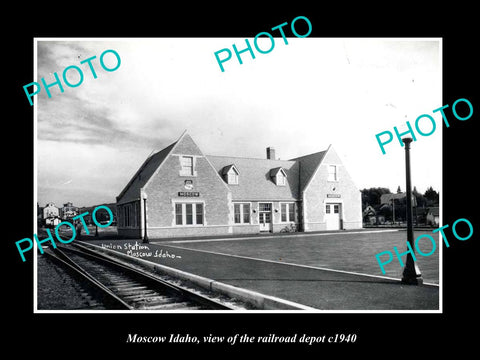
(183, 192)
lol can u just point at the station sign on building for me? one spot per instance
(183, 192)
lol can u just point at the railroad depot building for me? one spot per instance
(183, 192)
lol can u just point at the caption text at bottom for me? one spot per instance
(243, 339)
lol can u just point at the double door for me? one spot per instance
(333, 216)
(265, 216)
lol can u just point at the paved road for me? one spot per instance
(287, 267)
(349, 251)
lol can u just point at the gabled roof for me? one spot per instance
(369, 210)
(255, 182)
(276, 170)
(255, 175)
(308, 164)
(132, 189)
(227, 168)
(387, 198)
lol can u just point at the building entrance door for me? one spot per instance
(265, 216)
(333, 216)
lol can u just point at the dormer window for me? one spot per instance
(281, 179)
(230, 174)
(279, 176)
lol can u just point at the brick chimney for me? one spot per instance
(270, 153)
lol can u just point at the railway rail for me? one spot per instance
(121, 286)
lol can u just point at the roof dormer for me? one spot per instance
(230, 174)
(278, 176)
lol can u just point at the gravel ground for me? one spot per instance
(58, 290)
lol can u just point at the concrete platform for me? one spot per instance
(316, 287)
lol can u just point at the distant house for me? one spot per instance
(69, 211)
(433, 216)
(369, 215)
(369, 211)
(394, 206)
(51, 214)
(50, 210)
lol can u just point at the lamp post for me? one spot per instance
(411, 272)
(145, 236)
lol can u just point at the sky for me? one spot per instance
(299, 98)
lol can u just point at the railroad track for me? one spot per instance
(120, 286)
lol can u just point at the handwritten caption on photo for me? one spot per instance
(141, 250)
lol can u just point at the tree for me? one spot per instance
(399, 191)
(432, 197)
(372, 196)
